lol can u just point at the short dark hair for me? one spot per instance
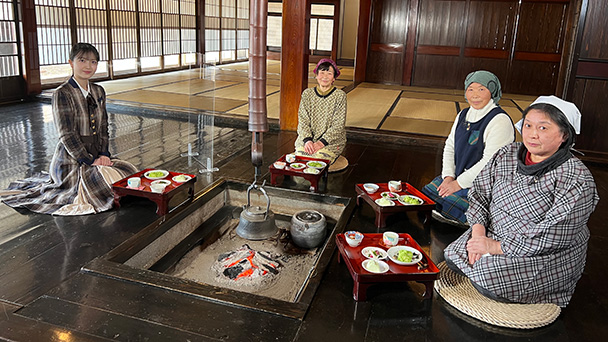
(325, 67)
(82, 49)
(556, 116)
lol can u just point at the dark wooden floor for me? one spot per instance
(45, 296)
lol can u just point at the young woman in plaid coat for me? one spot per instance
(81, 172)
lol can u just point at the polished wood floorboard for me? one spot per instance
(46, 296)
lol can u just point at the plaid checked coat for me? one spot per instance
(541, 225)
(75, 152)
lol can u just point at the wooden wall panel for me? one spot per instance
(441, 22)
(438, 71)
(589, 81)
(546, 35)
(490, 25)
(441, 29)
(387, 41)
(530, 77)
(595, 34)
(510, 38)
(590, 97)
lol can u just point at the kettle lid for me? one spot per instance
(309, 216)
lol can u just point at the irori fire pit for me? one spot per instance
(197, 251)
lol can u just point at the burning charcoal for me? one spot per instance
(233, 272)
(224, 256)
(246, 263)
(271, 268)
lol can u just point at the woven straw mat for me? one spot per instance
(340, 164)
(458, 291)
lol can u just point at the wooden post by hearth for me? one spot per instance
(294, 60)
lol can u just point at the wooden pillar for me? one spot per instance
(294, 60)
(31, 67)
(365, 12)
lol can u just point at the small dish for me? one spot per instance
(390, 239)
(156, 174)
(370, 188)
(353, 238)
(394, 186)
(181, 178)
(384, 202)
(374, 253)
(393, 254)
(316, 164)
(279, 165)
(410, 200)
(312, 171)
(380, 266)
(390, 195)
(290, 158)
(134, 182)
(297, 166)
(158, 188)
(161, 181)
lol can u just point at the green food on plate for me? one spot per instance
(315, 164)
(373, 266)
(410, 200)
(181, 178)
(156, 174)
(405, 255)
(384, 201)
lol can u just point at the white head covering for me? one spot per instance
(568, 108)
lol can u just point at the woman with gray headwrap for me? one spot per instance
(477, 133)
(528, 212)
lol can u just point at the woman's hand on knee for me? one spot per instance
(103, 161)
(448, 187)
(309, 147)
(483, 245)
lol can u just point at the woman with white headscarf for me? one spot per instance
(528, 213)
(477, 133)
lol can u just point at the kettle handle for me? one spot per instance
(261, 188)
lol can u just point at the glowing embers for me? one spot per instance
(247, 265)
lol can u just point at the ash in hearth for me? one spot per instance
(247, 265)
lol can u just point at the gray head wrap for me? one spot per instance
(488, 80)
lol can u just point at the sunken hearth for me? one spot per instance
(197, 251)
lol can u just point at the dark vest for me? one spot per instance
(468, 139)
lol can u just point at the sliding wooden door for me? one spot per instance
(386, 49)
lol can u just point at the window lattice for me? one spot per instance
(9, 59)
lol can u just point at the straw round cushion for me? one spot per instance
(340, 164)
(458, 291)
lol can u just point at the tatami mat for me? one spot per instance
(523, 104)
(140, 82)
(191, 87)
(272, 107)
(425, 109)
(240, 91)
(431, 96)
(417, 126)
(367, 107)
(178, 100)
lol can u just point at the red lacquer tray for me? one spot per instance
(121, 189)
(397, 273)
(287, 171)
(383, 212)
